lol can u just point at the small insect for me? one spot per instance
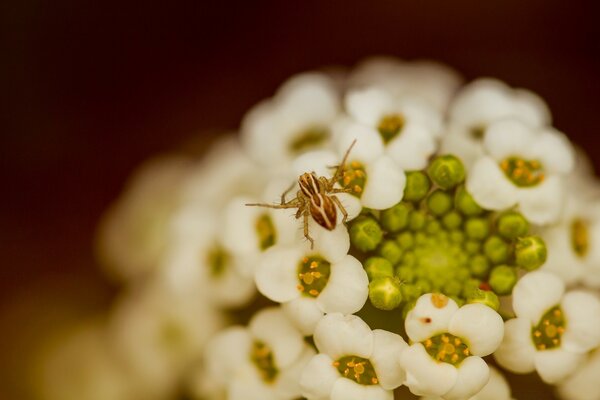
(316, 198)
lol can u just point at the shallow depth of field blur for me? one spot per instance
(94, 89)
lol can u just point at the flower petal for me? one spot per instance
(387, 348)
(287, 384)
(317, 161)
(480, 326)
(318, 377)
(340, 335)
(583, 384)
(346, 389)
(347, 289)
(536, 293)
(516, 352)
(412, 147)
(554, 151)
(369, 144)
(226, 351)
(582, 314)
(247, 384)
(508, 138)
(426, 319)
(277, 273)
(556, 364)
(385, 184)
(488, 185)
(368, 105)
(304, 313)
(425, 376)
(272, 327)
(473, 374)
(332, 245)
(543, 204)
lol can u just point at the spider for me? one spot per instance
(316, 198)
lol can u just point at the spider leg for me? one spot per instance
(290, 204)
(339, 172)
(306, 234)
(286, 192)
(344, 190)
(341, 207)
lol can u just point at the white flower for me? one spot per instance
(310, 284)
(354, 363)
(522, 167)
(445, 358)
(497, 388)
(552, 331)
(426, 81)
(583, 383)
(574, 242)
(261, 362)
(296, 119)
(199, 260)
(405, 129)
(481, 103)
(132, 234)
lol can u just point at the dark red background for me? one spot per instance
(91, 88)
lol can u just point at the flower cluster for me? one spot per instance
(368, 234)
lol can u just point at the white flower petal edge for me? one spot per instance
(536, 293)
(426, 320)
(543, 203)
(345, 389)
(583, 384)
(340, 335)
(508, 138)
(516, 352)
(304, 313)
(473, 374)
(556, 364)
(582, 313)
(385, 184)
(318, 377)
(480, 326)
(424, 376)
(489, 186)
(347, 289)
(276, 276)
(386, 352)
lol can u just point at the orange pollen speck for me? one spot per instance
(439, 300)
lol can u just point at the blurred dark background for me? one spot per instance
(92, 88)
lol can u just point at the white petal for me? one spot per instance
(239, 221)
(304, 313)
(247, 384)
(226, 352)
(480, 326)
(583, 384)
(352, 204)
(582, 314)
(318, 377)
(554, 151)
(497, 387)
(346, 389)
(332, 245)
(272, 327)
(234, 287)
(536, 293)
(347, 289)
(562, 260)
(462, 146)
(287, 384)
(385, 184)
(412, 147)
(340, 335)
(489, 186)
(426, 320)
(425, 376)
(516, 352)
(508, 138)
(556, 364)
(543, 204)
(317, 161)
(368, 105)
(368, 146)
(277, 274)
(473, 374)
(387, 348)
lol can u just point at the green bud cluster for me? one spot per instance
(438, 239)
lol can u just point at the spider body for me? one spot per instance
(316, 198)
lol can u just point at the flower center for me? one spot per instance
(580, 237)
(313, 275)
(447, 348)
(548, 332)
(524, 173)
(308, 139)
(390, 126)
(477, 132)
(266, 231)
(262, 357)
(171, 334)
(217, 260)
(354, 178)
(358, 369)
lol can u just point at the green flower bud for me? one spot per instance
(496, 249)
(409, 258)
(458, 300)
(452, 220)
(452, 288)
(463, 273)
(457, 236)
(390, 250)
(417, 186)
(420, 238)
(502, 279)
(465, 203)
(446, 171)
(410, 291)
(486, 297)
(385, 293)
(378, 267)
(432, 227)
(472, 246)
(479, 266)
(439, 202)
(423, 285)
(417, 220)
(477, 228)
(365, 234)
(396, 218)
(469, 286)
(512, 225)
(406, 240)
(530, 252)
(405, 273)
(408, 306)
